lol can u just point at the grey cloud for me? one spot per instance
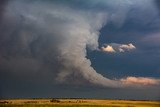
(46, 30)
(157, 3)
(39, 34)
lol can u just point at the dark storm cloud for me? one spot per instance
(157, 3)
(41, 42)
(3, 3)
(39, 37)
(25, 51)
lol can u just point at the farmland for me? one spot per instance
(76, 103)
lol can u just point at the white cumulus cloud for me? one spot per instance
(140, 81)
(114, 47)
(108, 48)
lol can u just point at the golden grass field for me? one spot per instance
(76, 103)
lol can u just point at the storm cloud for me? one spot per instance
(73, 30)
(48, 41)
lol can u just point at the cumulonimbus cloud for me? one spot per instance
(73, 29)
(114, 47)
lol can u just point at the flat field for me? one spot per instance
(76, 103)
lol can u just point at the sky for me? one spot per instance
(106, 49)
